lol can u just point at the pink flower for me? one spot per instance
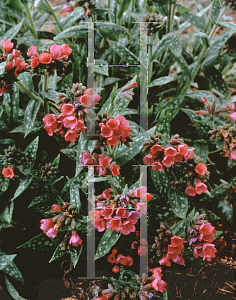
(15, 53)
(32, 51)
(45, 58)
(97, 98)
(65, 51)
(48, 227)
(177, 241)
(165, 261)
(206, 251)
(34, 62)
(115, 170)
(67, 109)
(168, 161)
(133, 216)
(158, 285)
(127, 227)
(8, 172)
(71, 136)
(142, 250)
(232, 155)
(111, 259)
(129, 86)
(207, 232)
(141, 189)
(121, 212)
(55, 207)
(7, 46)
(190, 191)
(142, 207)
(156, 148)
(170, 151)
(121, 259)
(106, 131)
(189, 154)
(200, 188)
(148, 159)
(107, 212)
(157, 166)
(55, 52)
(183, 149)
(115, 269)
(75, 240)
(105, 161)
(112, 141)
(70, 122)
(129, 260)
(232, 116)
(9, 66)
(106, 194)
(100, 224)
(86, 158)
(87, 100)
(112, 124)
(19, 63)
(201, 169)
(115, 223)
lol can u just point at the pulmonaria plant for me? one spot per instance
(120, 259)
(181, 160)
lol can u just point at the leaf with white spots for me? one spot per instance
(162, 45)
(71, 153)
(27, 80)
(41, 199)
(179, 228)
(12, 270)
(215, 10)
(66, 83)
(8, 211)
(216, 80)
(112, 28)
(161, 182)
(113, 10)
(39, 242)
(5, 260)
(12, 291)
(75, 196)
(108, 240)
(31, 152)
(162, 80)
(78, 31)
(11, 33)
(175, 46)
(72, 17)
(24, 183)
(201, 149)
(74, 256)
(2, 68)
(56, 161)
(57, 254)
(195, 20)
(124, 53)
(31, 112)
(178, 202)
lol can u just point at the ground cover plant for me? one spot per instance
(117, 149)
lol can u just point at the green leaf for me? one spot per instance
(162, 80)
(12, 270)
(5, 260)
(160, 181)
(15, 103)
(8, 211)
(112, 28)
(204, 37)
(71, 153)
(182, 63)
(191, 215)
(164, 126)
(24, 183)
(103, 69)
(74, 256)
(31, 112)
(215, 11)
(201, 150)
(11, 33)
(164, 295)
(66, 83)
(4, 182)
(226, 210)
(217, 234)
(125, 154)
(179, 228)
(178, 202)
(175, 46)
(72, 17)
(162, 45)
(53, 81)
(123, 7)
(78, 31)
(216, 80)
(31, 152)
(39, 242)
(195, 20)
(41, 199)
(113, 10)
(57, 254)
(56, 161)
(27, 80)
(75, 196)
(2, 67)
(108, 240)
(12, 291)
(124, 53)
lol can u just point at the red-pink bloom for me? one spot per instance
(106, 194)
(137, 192)
(71, 136)
(32, 51)
(106, 131)
(104, 161)
(201, 169)
(112, 141)
(232, 155)
(67, 109)
(133, 216)
(121, 259)
(115, 170)
(15, 53)
(232, 116)
(100, 224)
(189, 154)
(142, 207)
(87, 100)
(55, 52)
(177, 241)
(107, 212)
(70, 122)
(65, 51)
(156, 271)
(168, 161)
(206, 251)
(112, 124)
(7, 46)
(97, 98)
(8, 172)
(111, 259)
(49, 120)
(75, 240)
(190, 191)
(156, 148)
(19, 63)
(68, 8)
(183, 149)
(170, 151)
(158, 285)
(55, 207)
(200, 188)
(101, 171)
(142, 250)
(127, 227)
(115, 223)
(129, 260)
(115, 269)
(121, 212)
(34, 61)
(48, 227)
(157, 166)
(148, 159)
(165, 261)
(129, 86)
(207, 232)
(9, 66)
(45, 58)
(80, 125)
(134, 244)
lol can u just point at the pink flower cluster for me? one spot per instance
(66, 124)
(158, 284)
(120, 259)
(56, 52)
(141, 193)
(49, 227)
(89, 99)
(14, 62)
(106, 166)
(173, 252)
(115, 129)
(114, 219)
(202, 246)
(8, 172)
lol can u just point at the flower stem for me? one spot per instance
(31, 21)
(30, 94)
(112, 185)
(54, 15)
